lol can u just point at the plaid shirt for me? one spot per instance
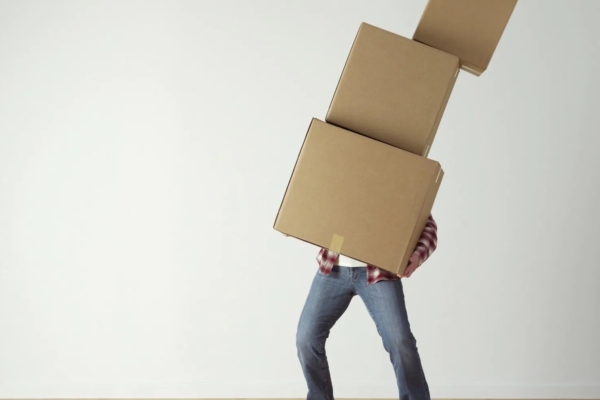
(425, 247)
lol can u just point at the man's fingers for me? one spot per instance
(412, 267)
(408, 271)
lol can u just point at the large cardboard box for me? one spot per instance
(470, 29)
(393, 89)
(358, 196)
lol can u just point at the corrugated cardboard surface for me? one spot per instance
(470, 29)
(393, 89)
(368, 199)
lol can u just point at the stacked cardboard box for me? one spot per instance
(362, 184)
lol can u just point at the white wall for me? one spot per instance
(144, 150)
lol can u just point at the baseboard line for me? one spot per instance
(286, 391)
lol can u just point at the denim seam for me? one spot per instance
(323, 362)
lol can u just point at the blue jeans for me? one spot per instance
(328, 298)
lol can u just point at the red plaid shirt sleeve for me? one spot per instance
(428, 241)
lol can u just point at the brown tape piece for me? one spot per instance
(336, 243)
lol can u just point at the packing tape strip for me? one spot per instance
(336, 243)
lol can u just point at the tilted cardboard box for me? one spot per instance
(358, 196)
(469, 29)
(393, 89)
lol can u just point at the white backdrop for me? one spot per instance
(144, 150)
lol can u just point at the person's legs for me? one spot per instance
(328, 298)
(385, 302)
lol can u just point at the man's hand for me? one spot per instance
(413, 264)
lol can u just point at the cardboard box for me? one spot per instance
(470, 29)
(393, 89)
(358, 196)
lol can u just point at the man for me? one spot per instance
(336, 282)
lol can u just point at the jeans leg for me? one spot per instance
(328, 299)
(385, 302)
